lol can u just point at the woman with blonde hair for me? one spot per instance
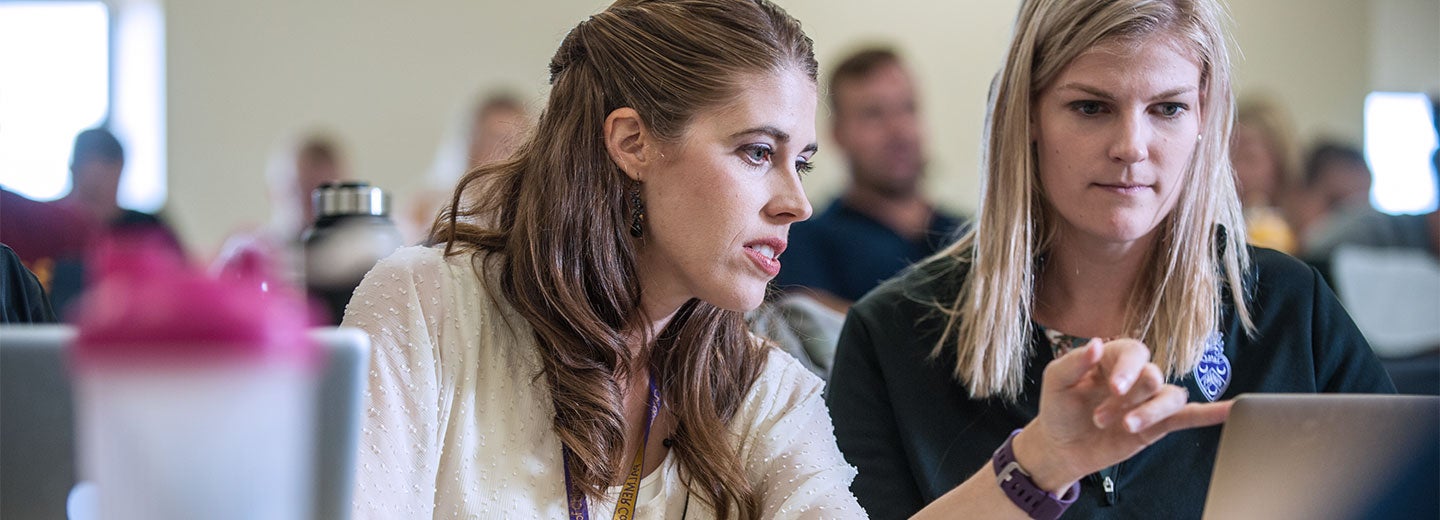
(573, 345)
(1105, 299)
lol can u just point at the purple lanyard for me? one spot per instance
(625, 507)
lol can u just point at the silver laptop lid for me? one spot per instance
(1320, 456)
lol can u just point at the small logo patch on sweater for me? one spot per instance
(1212, 375)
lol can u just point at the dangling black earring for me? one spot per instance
(637, 212)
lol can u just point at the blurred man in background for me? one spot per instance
(53, 239)
(882, 223)
(96, 165)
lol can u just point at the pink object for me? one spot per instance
(195, 394)
(247, 258)
(147, 303)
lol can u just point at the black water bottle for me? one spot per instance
(352, 231)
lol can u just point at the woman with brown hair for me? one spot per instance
(577, 347)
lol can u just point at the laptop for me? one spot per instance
(37, 417)
(1327, 456)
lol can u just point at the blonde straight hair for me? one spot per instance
(1200, 249)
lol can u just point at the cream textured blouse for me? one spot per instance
(457, 424)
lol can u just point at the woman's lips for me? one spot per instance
(765, 253)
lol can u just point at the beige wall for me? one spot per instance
(1310, 55)
(1405, 45)
(389, 79)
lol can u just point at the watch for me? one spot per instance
(1016, 483)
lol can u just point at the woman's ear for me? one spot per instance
(628, 142)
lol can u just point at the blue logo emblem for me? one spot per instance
(1212, 375)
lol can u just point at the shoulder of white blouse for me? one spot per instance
(782, 368)
(422, 276)
(783, 383)
(427, 268)
(408, 262)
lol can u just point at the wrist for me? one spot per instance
(1049, 472)
(1017, 484)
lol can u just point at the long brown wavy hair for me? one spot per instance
(557, 213)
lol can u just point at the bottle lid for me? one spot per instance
(350, 198)
(147, 304)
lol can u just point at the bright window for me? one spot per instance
(1399, 140)
(138, 117)
(62, 70)
(54, 82)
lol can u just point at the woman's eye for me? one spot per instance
(803, 167)
(757, 154)
(1171, 109)
(1088, 108)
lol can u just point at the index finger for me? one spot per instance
(1195, 415)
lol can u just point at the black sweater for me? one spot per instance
(22, 300)
(913, 432)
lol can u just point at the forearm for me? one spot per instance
(981, 495)
(978, 497)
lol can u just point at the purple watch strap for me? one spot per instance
(1016, 483)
